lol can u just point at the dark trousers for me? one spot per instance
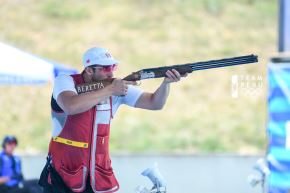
(29, 186)
(32, 186)
(48, 189)
(13, 189)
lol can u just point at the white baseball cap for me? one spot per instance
(99, 56)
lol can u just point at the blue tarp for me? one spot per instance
(18, 67)
(279, 127)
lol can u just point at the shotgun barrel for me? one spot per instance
(190, 67)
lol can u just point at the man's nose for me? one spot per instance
(109, 74)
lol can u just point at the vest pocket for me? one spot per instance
(75, 180)
(102, 145)
(105, 180)
(103, 129)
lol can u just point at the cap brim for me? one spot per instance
(106, 62)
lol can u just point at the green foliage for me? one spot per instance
(72, 10)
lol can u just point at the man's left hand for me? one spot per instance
(173, 76)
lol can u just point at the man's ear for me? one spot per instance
(89, 70)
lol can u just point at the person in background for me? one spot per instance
(11, 178)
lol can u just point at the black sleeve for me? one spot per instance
(54, 105)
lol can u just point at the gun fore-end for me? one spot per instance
(161, 72)
(135, 76)
(157, 72)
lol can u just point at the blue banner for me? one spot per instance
(279, 128)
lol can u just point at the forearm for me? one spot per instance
(160, 96)
(156, 100)
(83, 102)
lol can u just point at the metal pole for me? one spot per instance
(284, 26)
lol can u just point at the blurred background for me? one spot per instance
(204, 133)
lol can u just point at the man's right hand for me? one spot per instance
(119, 87)
(4, 179)
(73, 103)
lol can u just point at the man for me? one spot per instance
(78, 158)
(11, 178)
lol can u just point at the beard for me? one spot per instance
(96, 78)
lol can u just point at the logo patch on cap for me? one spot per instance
(108, 55)
(88, 61)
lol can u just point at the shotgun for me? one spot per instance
(181, 68)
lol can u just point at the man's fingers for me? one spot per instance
(177, 74)
(169, 74)
(172, 76)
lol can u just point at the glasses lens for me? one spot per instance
(110, 68)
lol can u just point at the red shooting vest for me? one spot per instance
(81, 150)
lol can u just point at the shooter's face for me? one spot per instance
(102, 72)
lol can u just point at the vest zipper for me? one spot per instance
(103, 140)
(92, 145)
